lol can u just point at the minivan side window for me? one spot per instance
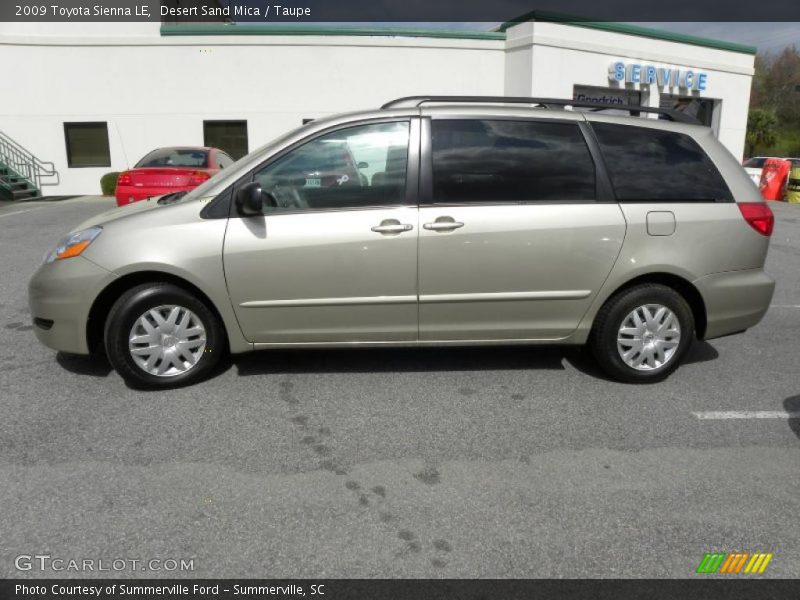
(651, 165)
(355, 167)
(491, 161)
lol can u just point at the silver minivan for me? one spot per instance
(432, 221)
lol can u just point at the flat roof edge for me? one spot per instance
(614, 27)
(233, 29)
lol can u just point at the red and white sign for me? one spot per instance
(774, 176)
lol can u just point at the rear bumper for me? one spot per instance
(735, 300)
(128, 194)
(60, 295)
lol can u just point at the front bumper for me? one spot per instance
(63, 292)
(735, 300)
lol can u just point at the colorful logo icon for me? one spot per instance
(733, 563)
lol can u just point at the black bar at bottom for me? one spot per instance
(703, 587)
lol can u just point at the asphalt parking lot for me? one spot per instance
(510, 462)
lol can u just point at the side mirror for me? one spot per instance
(250, 199)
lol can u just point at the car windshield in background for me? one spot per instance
(175, 157)
(755, 163)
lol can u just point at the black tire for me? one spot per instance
(603, 339)
(136, 302)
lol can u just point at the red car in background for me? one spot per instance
(169, 170)
(774, 177)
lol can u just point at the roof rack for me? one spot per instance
(550, 103)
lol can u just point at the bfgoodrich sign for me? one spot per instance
(664, 77)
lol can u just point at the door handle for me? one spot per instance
(390, 226)
(443, 224)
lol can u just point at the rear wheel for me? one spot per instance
(642, 333)
(158, 335)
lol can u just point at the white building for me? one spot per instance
(93, 98)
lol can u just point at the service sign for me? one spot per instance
(663, 77)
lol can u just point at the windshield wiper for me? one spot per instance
(171, 198)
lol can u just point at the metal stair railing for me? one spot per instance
(23, 163)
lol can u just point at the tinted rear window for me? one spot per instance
(650, 165)
(510, 161)
(175, 157)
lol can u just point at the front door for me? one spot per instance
(514, 243)
(336, 259)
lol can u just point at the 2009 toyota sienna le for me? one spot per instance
(432, 221)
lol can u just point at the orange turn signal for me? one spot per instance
(75, 250)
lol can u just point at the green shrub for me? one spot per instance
(108, 183)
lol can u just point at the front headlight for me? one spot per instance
(73, 244)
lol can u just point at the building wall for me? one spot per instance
(560, 56)
(156, 91)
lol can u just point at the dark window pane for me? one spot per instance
(701, 109)
(510, 161)
(175, 157)
(355, 167)
(87, 144)
(652, 165)
(230, 136)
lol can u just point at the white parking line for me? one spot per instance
(19, 212)
(747, 414)
(784, 305)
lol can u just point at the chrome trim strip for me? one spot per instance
(426, 299)
(352, 301)
(505, 296)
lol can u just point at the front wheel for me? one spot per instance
(158, 335)
(642, 333)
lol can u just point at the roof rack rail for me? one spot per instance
(551, 103)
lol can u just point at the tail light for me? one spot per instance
(198, 177)
(124, 178)
(759, 216)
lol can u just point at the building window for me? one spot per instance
(230, 136)
(701, 109)
(87, 144)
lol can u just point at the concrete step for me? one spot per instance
(24, 194)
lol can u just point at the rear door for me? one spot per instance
(518, 231)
